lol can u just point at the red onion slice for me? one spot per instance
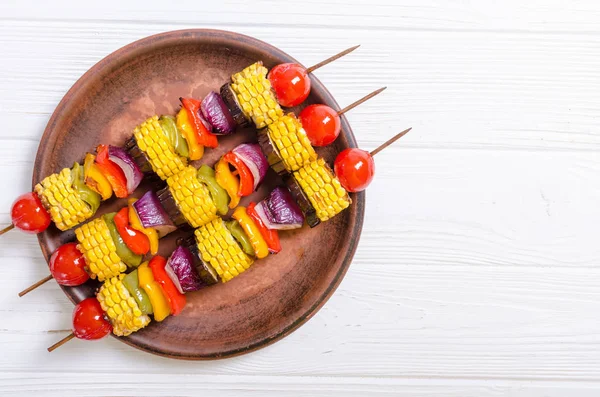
(181, 265)
(217, 114)
(279, 211)
(173, 277)
(260, 211)
(252, 155)
(153, 215)
(132, 172)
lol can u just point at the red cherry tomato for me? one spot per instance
(89, 321)
(29, 215)
(67, 265)
(321, 123)
(355, 169)
(290, 83)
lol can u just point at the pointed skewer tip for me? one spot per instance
(7, 229)
(61, 342)
(390, 141)
(331, 59)
(34, 286)
(361, 100)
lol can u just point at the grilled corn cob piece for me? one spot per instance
(254, 94)
(219, 249)
(323, 189)
(192, 197)
(99, 250)
(122, 309)
(292, 143)
(63, 203)
(151, 140)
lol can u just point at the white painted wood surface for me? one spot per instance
(478, 273)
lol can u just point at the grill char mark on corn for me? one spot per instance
(219, 249)
(323, 189)
(99, 250)
(122, 309)
(62, 202)
(254, 94)
(152, 141)
(192, 197)
(292, 143)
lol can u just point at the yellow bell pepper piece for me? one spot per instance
(228, 181)
(154, 292)
(189, 133)
(261, 249)
(95, 179)
(135, 223)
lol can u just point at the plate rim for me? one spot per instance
(358, 199)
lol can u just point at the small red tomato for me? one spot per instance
(67, 265)
(89, 321)
(355, 169)
(29, 215)
(321, 123)
(290, 83)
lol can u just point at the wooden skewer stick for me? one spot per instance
(390, 141)
(7, 229)
(34, 286)
(61, 342)
(331, 59)
(363, 99)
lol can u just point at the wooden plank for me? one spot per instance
(537, 15)
(55, 384)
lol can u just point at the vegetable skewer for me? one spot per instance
(197, 125)
(89, 320)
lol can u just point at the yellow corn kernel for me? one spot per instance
(253, 91)
(218, 247)
(192, 197)
(291, 142)
(323, 189)
(161, 155)
(121, 308)
(59, 198)
(93, 238)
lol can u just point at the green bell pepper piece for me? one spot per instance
(169, 126)
(127, 256)
(219, 195)
(132, 284)
(240, 236)
(90, 197)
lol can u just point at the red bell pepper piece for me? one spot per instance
(205, 137)
(271, 236)
(175, 298)
(137, 241)
(246, 178)
(112, 172)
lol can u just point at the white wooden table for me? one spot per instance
(478, 272)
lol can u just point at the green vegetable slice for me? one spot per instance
(240, 236)
(90, 197)
(132, 284)
(127, 256)
(219, 195)
(169, 126)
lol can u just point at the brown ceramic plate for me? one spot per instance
(277, 294)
